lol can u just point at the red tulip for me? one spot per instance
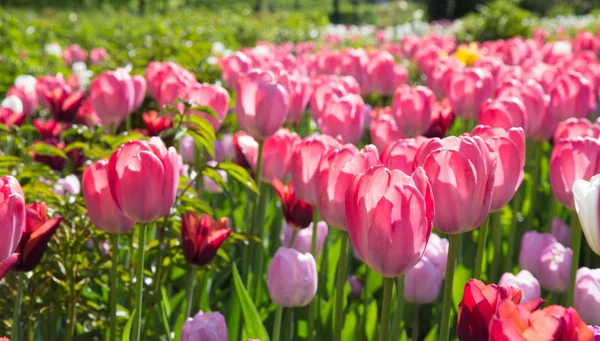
(34, 241)
(202, 236)
(48, 84)
(305, 164)
(298, 214)
(49, 129)
(389, 216)
(143, 177)
(261, 104)
(504, 113)
(461, 171)
(212, 96)
(576, 127)
(12, 215)
(336, 169)
(509, 145)
(468, 89)
(101, 207)
(413, 109)
(344, 118)
(156, 124)
(63, 104)
(442, 120)
(400, 154)
(75, 156)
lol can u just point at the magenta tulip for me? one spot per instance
(413, 109)
(12, 215)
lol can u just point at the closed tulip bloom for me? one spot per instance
(67, 185)
(356, 286)
(526, 282)
(400, 154)
(101, 207)
(468, 89)
(383, 130)
(98, 55)
(555, 267)
(389, 216)
(34, 241)
(113, 96)
(298, 214)
(576, 127)
(12, 215)
(224, 148)
(233, 67)
(383, 75)
(535, 101)
(561, 231)
(571, 95)
(305, 164)
(586, 204)
(462, 174)
(213, 96)
(413, 109)
(587, 295)
(344, 118)
(572, 159)
(303, 240)
(509, 146)
(336, 170)
(205, 327)
(423, 283)
(155, 124)
(262, 104)
(437, 252)
(278, 152)
(300, 89)
(292, 278)
(202, 236)
(74, 53)
(322, 95)
(504, 113)
(532, 245)
(49, 129)
(143, 177)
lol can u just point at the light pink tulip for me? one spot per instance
(555, 267)
(278, 152)
(389, 216)
(158, 73)
(504, 113)
(12, 216)
(205, 327)
(101, 207)
(462, 172)
(383, 129)
(423, 283)
(98, 55)
(587, 295)
(113, 96)
(383, 75)
(261, 104)
(437, 252)
(212, 96)
(143, 177)
(561, 231)
(74, 53)
(400, 154)
(303, 240)
(576, 127)
(336, 169)
(353, 63)
(532, 245)
(344, 118)
(468, 89)
(233, 67)
(526, 282)
(292, 278)
(571, 95)
(413, 109)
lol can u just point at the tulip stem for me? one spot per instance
(497, 235)
(289, 324)
(448, 282)
(277, 327)
(339, 288)
(481, 248)
(386, 305)
(576, 247)
(535, 181)
(399, 308)
(415, 331)
(189, 289)
(139, 281)
(313, 251)
(114, 248)
(259, 206)
(16, 326)
(512, 234)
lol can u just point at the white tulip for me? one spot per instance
(586, 204)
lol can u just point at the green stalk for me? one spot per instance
(497, 235)
(481, 249)
(576, 247)
(139, 282)
(289, 324)
(415, 331)
(258, 208)
(535, 182)
(313, 251)
(551, 212)
(512, 234)
(386, 305)
(277, 327)
(114, 290)
(259, 259)
(399, 307)
(339, 288)
(448, 282)
(16, 326)
(189, 289)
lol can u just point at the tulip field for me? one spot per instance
(163, 178)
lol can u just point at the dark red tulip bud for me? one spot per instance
(202, 236)
(49, 129)
(34, 241)
(63, 104)
(297, 213)
(443, 119)
(156, 124)
(76, 156)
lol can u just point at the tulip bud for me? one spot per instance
(555, 267)
(587, 295)
(205, 327)
(113, 96)
(356, 286)
(532, 245)
(300, 90)
(143, 177)
(34, 241)
(298, 214)
(12, 215)
(423, 282)
(202, 236)
(576, 127)
(524, 280)
(233, 67)
(292, 278)
(586, 195)
(383, 75)
(303, 240)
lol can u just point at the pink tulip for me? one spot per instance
(532, 245)
(587, 295)
(48, 84)
(300, 90)
(224, 148)
(586, 41)
(572, 159)
(561, 231)
(344, 118)
(233, 67)
(12, 216)
(158, 73)
(509, 146)
(292, 278)
(336, 169)
(524, 281)
(555, 267)
(143, 177)
(98, 55)
(383, 128)
(74, 53)
(468, 89)
(28, 97)
(423, 283)
(576, 127)
(140, 86)
(383, 75)
(261, 104)
(389, 216)
(462, 172)
(322, 95)
(101, 207)
(400, 154)
(303, 240)
(113, 96)
(438, 79)
(212, 96)
(353, 63)
(205, 327)
(437, 252)
(305, 164)
(413, 109)
(504, 113)
(542, 73)
(570, 96)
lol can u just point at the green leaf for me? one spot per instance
(165, 320)
(76, 145)
(206, 109)
(42, 148)
(461, 276)
(4, 128)
(253, 324)
(239, 173)
(216, 177)
(433, 334)
(127, 330)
